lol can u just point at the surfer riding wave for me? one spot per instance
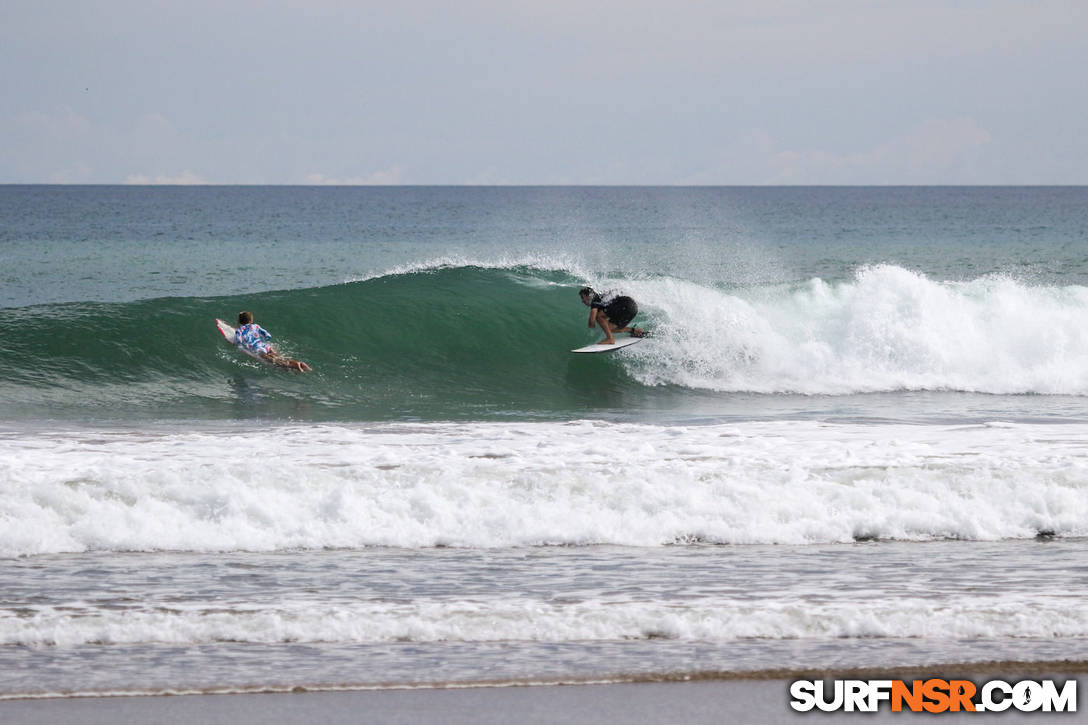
(612, 311)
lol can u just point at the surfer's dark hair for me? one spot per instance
(588, 292)
(244, 318)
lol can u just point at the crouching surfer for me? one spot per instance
(612, 312)
(254, 338)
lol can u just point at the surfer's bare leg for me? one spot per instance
(286, 362)
(608, 329)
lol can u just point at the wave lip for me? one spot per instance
(529, 484)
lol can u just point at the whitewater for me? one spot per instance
(492, 485)
(857, 437)
(886, 329)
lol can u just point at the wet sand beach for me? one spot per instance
(759, 700)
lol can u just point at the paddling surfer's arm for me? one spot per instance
(592, 316)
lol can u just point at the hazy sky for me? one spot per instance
(544, 92)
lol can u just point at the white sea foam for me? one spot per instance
(887, 329)
(513, 484)
(517, 619)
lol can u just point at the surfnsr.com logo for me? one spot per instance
(933, 695)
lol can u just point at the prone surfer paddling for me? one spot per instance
(612, 312)
(253, 337)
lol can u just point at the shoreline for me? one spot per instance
(763, 699)
(997, 669)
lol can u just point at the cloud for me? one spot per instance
(185, 178)
(614, 91)
(387, 177)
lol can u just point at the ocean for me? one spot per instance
(857, 437)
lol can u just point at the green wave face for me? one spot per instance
(437, 344)
(483, 343)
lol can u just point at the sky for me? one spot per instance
(672, 92)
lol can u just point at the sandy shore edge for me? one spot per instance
(1003, 669)
(706, 697)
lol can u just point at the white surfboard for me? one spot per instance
(228, 334)
(225, 330)
(621, 343)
